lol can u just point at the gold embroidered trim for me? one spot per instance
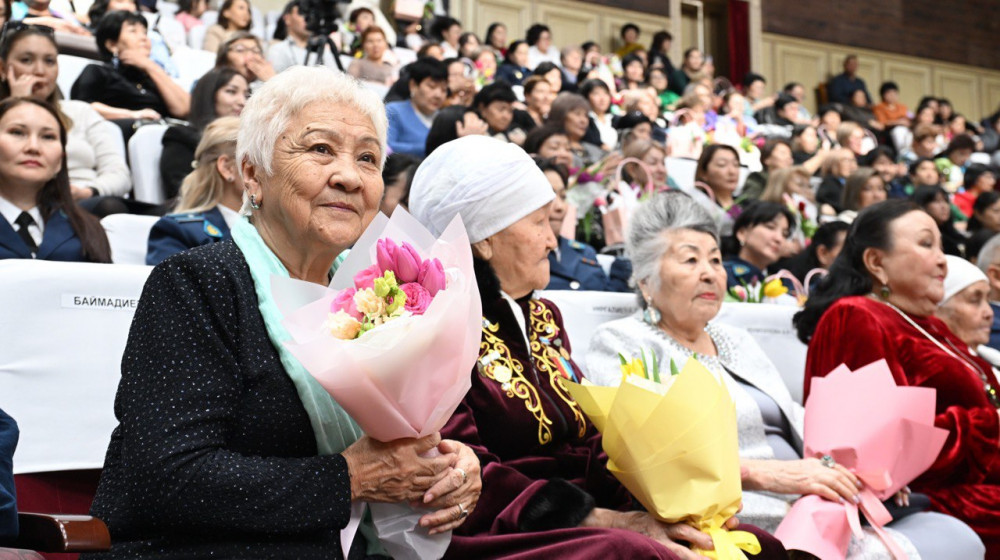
(546, 357)
(497, 364)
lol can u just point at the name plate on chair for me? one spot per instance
(79, 301)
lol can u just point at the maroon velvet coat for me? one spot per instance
(965, 479)
(543, 467)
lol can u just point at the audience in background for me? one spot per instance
(40, 218)
(841, 87)
(243, 52)
(222, 92)
(410, 120)
(234, 16)
(294, 37)
(210, 197)
(97, 169)
(129, 85)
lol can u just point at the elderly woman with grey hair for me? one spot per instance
(547, 490)
(678, 273)
(226, 446)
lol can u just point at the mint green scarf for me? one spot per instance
(335, 430)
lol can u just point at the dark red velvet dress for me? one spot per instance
(965, 479)
(543, 467)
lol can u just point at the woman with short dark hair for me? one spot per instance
(129, 85)
(878, 302)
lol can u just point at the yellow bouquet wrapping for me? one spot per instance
(673, 444)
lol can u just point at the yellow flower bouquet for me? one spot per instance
(672, 442)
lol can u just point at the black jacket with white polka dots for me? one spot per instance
(214, 455)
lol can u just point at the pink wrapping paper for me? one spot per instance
(402, 379)
(883, 433)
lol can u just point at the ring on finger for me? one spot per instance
(462, 512)
(465, 475)
(827, 461)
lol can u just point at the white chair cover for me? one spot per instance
(172, 31)
(129, 236)
(192, 64)
(115, 132)
(771, 326)
(70, 68)
(64, 329)
(144, 151)
(583, 312)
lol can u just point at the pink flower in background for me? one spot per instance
(431, 276)
(418, 299)
(345, 302)
(366, 278)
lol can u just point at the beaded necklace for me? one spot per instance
(991, 391)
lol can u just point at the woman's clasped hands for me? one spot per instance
(406, 470)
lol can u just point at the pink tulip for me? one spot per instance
(432, 276)
(418, 299)
(366, 278)
(407, 264)
(385, 254)
(345, 302)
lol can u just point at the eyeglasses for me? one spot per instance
(11, 27)
(240, 49)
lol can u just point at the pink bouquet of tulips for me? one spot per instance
(393, 339)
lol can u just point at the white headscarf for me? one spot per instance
(961, 275)
(491, 183)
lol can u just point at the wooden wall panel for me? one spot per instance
(961, 88)
(571, 22)
(795, 63)
(975, 92)
(477, 16)
(569, 26)
(914, 80)
(991, 95)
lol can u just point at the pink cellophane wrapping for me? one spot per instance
(402, 379)
(883, 433)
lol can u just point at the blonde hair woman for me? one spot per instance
(210, 196)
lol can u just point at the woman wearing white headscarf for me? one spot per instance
(966, 307)
(547, 491)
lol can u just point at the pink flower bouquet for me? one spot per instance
(393, 339)
(883, 433)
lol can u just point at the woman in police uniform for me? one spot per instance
(210, 198)
(573, 265)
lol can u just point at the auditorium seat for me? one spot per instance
(70, 68)
(144, 151)
(769, 324)
(56, 533)
(192, 64)
(196, 37)
(128, 235)
(64, 327)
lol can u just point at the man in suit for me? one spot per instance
(8, 503)
(842, 86)
(410, 120)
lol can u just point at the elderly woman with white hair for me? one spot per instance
(966, 307)
(680, 280)
(547, 489)
(226, 446)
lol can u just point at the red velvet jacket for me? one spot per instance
(859, 330)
